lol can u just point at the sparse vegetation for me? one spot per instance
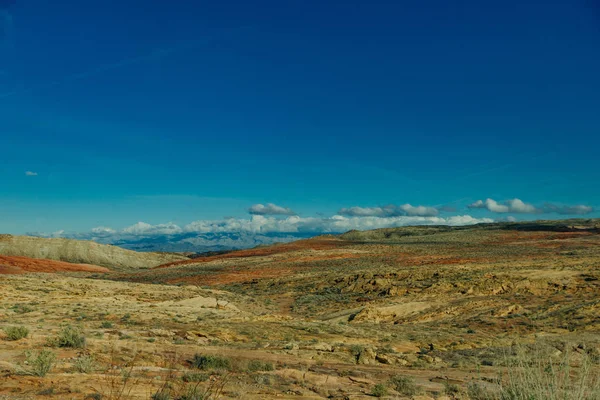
(534, 374)
(16, 332)
(40, 363)
(207, 362)
(451, 389)
(189, 377)
(404, 385)
(70, 336)
(476, 391)
(257, 365)
(22, 308)
(84, 364)
(379, 390)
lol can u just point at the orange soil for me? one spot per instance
(23, 265)
(513, 237)
(314, 244)
(235, 275)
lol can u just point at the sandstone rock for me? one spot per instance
(161, 333)
(322, 347)
(367, 357)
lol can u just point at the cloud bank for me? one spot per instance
(271, 223)
(204, 235)
(519, 207)
(390, 211)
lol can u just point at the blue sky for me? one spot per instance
(160, 112)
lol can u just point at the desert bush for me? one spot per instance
(70, 336)
(476, 391)
(452, 389)
(118, 381)
(404, 385)
(356, 351)
(379, 390)
(210, 362)
(22, 308)
(194, 377)
(40, 363)
(257, 365)
(534, 374)
(192, 393)
(106, 325)
(161, 395)
(263, 379)
(16, 332)
(84, 364)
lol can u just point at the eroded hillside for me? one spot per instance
(81, 252)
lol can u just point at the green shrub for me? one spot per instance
(16, 332)
(161, 395)
(70, 336)
(106, 325)
(257, 365)
(193, 393)
(84, 364)
(533, 374)
(476, 391)
(404, 385)
(22, 308)
(210, 362)
(379, 390)
(194, 377)
(451, 389)
(40, 363)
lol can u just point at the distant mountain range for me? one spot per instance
(203, 242)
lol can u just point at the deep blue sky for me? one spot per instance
(163, 111)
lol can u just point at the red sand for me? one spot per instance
(23, 265)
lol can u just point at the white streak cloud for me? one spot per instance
(31, 173)
(520, 207)
(390, 211)
(270, 209)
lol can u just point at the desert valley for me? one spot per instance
(490, 311)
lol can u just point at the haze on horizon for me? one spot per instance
(235, 124)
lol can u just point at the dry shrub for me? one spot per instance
(536, 373)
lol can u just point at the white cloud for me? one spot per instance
(419, 210)
(514, 205)
(270, 209)
(519, 206)
(363, 211)
(145, 229)
(390, 211)
(265, 225)
(31, 173)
